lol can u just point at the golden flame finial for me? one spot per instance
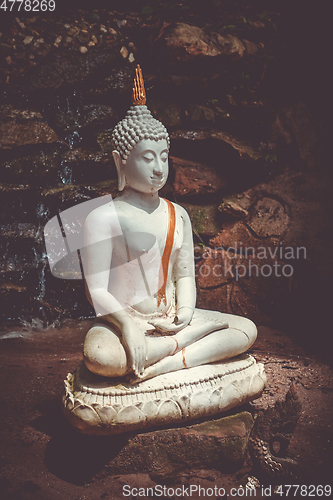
(139, 93)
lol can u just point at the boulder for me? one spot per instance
(220, 443)
(269, 218)
(192, 178)
(273, 264)
(232, 208)
(228, 143)
(185, 43)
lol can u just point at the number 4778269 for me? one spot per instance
(28, 5)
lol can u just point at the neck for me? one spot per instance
(145, 201)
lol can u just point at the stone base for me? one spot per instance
(215, 444)
(100, 405)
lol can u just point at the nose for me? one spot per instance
(158, 167)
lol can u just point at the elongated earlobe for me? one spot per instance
(120, 170)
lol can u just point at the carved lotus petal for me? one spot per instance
(231, 394)
(184, 403)
(107, 414)
(199, 404)
(215, 400)
(69, 402)
(244, 384)
(130, 415)
(150, 409)
(168, 411)
(87, 414)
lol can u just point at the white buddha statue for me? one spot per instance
(147, 323)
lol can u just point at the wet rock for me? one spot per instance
(15, 203)
(67, 68)
(64, 197)
(56, 168)
(185, 43)
(83, 116)
(119, 81)
(9, 288)
(195, 178)
(19, 230)
(23, 126)
(14, 299)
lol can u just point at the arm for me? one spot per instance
(186, 293)
(185, 281)
(101, 227)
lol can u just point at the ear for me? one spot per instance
(120, 170)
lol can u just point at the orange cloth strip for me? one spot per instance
(167, 251)
(183, 353)
(176, 345)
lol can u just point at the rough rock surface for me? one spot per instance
(187, 43)
(218, 443)
(43, 456)
(248, 143)
(23, 126)
(193, 178)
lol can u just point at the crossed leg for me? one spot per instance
(212, 336)
(218, 345)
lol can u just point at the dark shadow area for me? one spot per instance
(76, 458)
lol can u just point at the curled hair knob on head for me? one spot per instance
(138, 123)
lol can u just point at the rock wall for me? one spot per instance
(246, 162)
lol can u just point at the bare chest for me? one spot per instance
(141, 233)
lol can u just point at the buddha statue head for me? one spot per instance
(138, 125)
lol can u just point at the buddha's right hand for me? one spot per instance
(136, 348)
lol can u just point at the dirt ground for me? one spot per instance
(43, 458)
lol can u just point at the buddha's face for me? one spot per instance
(146, 169)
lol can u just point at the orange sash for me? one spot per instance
(167, 251)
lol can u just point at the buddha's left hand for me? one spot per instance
(183, 318)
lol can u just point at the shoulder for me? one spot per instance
(104, 216)
(181, 213)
